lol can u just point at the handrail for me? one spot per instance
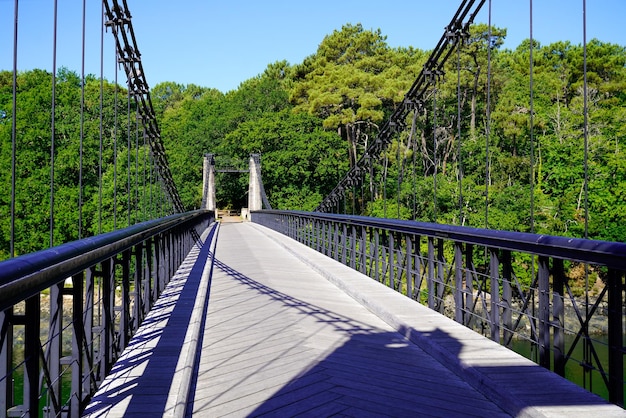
(607, 253)
(22, 277)
(495, 292)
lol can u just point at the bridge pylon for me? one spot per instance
(254, 186)
(208, 182)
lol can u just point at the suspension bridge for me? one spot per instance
(171, 312)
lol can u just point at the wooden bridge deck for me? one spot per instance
(281, 338)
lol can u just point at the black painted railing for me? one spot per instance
(99, 290)
(561, 298)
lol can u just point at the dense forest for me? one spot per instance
(311, 121)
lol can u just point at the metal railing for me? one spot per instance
(513, 287)
(99, 290)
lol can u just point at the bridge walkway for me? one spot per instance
(282, 340)
(290, 332)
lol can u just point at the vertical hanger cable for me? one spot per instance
(52, 117)
(13, 132)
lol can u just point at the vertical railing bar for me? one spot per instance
(78, 351)
(362, 261)
(392, 253)
(410, 276)
(431, 273)
(558, 315)
(6, 359)
(616, 336)
(138, 286)
(124, 329)
(148, 274)
(88, 334)
(458, 284)
(54, 347)
(440, 276)
(544, 311)
(384, 262)
(353, 247)
(469, 285)
(32, 347)
(507, 298)
(418, 268)
(494, 274)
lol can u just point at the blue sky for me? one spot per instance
(222, 43)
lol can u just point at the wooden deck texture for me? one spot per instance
(289, 332)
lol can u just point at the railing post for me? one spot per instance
(32, 347)
(138, 305)
(544, 312)
(148, 277)
(363, 256)
(410, 276)
(344, 246)
(440, 285)
(417, 287)
(616, 352)
(353, 247)
(325, 240)
(108, 309)
(376, 255)
(431, 273)
(458, 282)
(384, 265)
(392, 253)
(494, 273)
(55, 330)
(507, 297)
(125, 332)
(88, 325)
(558, 316)
(469, 283)
(76, 402)
(6, 360)
(336, 240)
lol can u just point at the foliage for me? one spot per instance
(312, 121)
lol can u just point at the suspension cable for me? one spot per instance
(128, 148)
(400, 169)
(435, 152)
(532, 127)
(136, 165)
(143, 189)
(13, 132)
(586, 120)
(414, 146)
(488, 121)
(115, 148)
(532, 166)
(587, 346)
(417, 92)
(52, 127)
(82, 128)
(101, 117)
(458, 125)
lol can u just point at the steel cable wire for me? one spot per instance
(101, 120)
(13, 132)
(488, 119)
(82, 127)
(52, 120)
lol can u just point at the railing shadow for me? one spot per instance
(148, 364)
